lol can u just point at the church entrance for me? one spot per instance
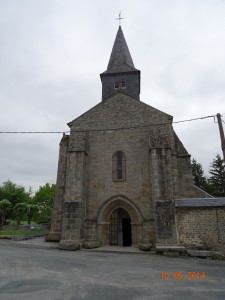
(120, 228)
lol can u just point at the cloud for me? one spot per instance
(52, 53)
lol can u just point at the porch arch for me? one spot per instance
(106, 210)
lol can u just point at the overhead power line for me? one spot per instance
(32, 132)
(107, 129)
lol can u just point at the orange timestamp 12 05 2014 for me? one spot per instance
(182, 275)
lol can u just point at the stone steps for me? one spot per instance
(171, 250)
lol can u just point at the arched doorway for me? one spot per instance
(125, 209)
(120, 228)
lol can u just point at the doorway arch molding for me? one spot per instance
(119, 201)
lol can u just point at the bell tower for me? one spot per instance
(121, 75)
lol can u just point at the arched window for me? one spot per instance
(119, 166)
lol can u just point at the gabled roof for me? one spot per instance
(120, 59)
(117, 110)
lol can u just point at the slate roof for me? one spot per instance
(200, 202)
(120, 59)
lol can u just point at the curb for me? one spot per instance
(54, 246)
(28, 245)
(119, 251)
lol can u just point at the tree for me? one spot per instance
(198, 175)
(31, 211)
(15, 194)
(5, 207)
(20, 211)
(44, 198)
(217, 178)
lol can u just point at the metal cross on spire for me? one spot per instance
(119, 18)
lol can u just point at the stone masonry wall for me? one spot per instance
(56, 222)
(202, 227)
(157, 171)
(101, 185)
(74, 206)
(162, 182)
(119, 112)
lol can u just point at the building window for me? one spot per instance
(123, 85)
(119, 166)
(118, 86)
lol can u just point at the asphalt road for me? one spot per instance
(53, 274)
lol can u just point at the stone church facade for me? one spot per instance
(122, 168)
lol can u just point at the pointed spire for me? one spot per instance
(121, 74)
(120, 59)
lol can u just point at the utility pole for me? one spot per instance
(221, 135)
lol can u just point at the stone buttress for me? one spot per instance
(56, 222)
(74, 205)
(70, 201)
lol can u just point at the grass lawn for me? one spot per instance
(22, 232)
(25, 222)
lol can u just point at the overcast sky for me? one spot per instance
(51, 55)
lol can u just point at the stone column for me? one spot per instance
(56, 222)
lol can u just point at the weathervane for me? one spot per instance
(119, 18)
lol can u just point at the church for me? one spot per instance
(122, 168)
